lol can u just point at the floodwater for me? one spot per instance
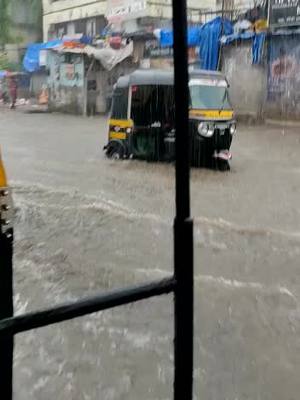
(85, 224)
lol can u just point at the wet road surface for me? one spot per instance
(86, 224)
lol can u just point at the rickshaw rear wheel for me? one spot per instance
(115, 155)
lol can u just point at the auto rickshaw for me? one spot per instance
(142, 119)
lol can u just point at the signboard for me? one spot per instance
(154, 51)
(119, 10)
(43, 58)
(161, 52)
(284, 13)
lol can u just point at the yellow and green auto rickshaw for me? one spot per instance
(142, 119)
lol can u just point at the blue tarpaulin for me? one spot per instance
(31, 62)
(257, 47)
(206, 36)
(210, 41)
(166, 36)
(85, 39)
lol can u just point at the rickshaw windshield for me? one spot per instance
(119, 107)
(206, 96)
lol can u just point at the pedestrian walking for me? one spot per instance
(92, 98)
(13, 91)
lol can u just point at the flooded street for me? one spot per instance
(85, 224)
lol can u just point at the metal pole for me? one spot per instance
(222, 32)
(183, 225)
(6, 310)
(269, 12)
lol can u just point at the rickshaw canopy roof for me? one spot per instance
(163, 77)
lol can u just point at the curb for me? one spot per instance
(282, 123)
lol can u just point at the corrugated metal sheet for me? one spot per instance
(108, 57)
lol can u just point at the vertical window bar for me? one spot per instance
(183, 225)
(6, 311)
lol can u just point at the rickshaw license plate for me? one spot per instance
(223, 155)
(222, 127)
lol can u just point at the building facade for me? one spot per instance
(90, 17)
(69, 17)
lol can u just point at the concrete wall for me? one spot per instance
(254, 91)
(65, 92)
(67, 95)
(106, 80)
(248, 82)
(67, 100)
(283, 101)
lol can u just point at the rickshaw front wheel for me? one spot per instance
(223, 165)
(115, 151)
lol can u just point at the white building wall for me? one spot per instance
(56, 12)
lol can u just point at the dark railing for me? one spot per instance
(203, 15)
(181, 283)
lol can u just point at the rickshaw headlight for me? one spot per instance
(128, 130)
(232, 129)
(205, 129)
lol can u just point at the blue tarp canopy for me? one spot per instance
(31, 62)
(210, 41)
(258, 47)
(206, 36)
(166, 36)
